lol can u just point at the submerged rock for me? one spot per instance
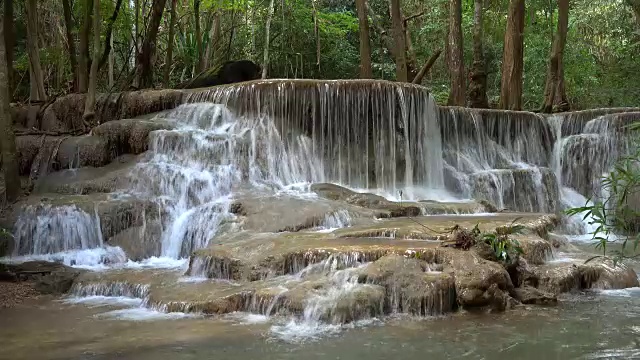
(596, 274)
(530, 295)
(48, 277)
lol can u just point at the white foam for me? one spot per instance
(628, 292)
(144, 314)
(248, 318)
(97, 300)
(92, 259)
(161, 262)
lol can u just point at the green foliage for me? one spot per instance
(504, 246)
(616, 215)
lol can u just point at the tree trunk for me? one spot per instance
(9, 39)
(635, 6)
(85, 33)
(199, 46)
(399, 41)
(34, 50)
(265, 60)
(89, 106)
(214, 41)
(456, 64)
(555, 97)
(478, 83)
(144, 59)
(365, 45)
(513, 58)
(169, 55)
(316, 33)
(7, 138)
(108, 42)
(68, 22)
(112, 61)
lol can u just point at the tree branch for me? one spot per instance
(414, 16)
(427, 66)
(107, 47)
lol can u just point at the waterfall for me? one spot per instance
(367, 134)
(64, 234)
(195, 167)
(379, 136)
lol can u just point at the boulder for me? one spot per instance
(49, 277)
(228, 73)
(597, 274)
(530, 295)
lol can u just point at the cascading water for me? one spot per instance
(366, 134)
(66, 234)
(195, 167)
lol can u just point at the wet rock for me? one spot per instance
(66, 112)
(57, 282)
(139, 242)
(535, 250)
(50, 153)
(597, 274)
(517, 190)
(115, 214)
(88, 180)
(129, 136)
(268, 213)
(530, 295)
(49, 277)
(522, 274)
(480, 283)
(6, 243)
(409, 288)
(81, 151)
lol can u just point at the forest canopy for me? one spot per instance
(320, 39)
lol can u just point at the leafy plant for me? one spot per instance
(505, 248)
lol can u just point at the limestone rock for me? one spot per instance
(129, 136)
(530, 295)
(409, 288)
(139, 242)
(592, 275)
(49, 277)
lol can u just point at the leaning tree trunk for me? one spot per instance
(265, 60)
(68, 22)
(169, 55)
(84, 59)
(513, 58)
(7, 138)
(144, 64)
(34, 50)
(365, 45)
(89, 106)
(199, 47)
(478, 83)
(399, 42)
(555, 97)
(108, 42)
(456, 58)
(214, 41)
(9, 37)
